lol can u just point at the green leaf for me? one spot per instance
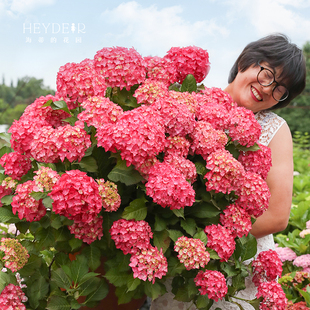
(89, 286)
(174, 234)
(127, 175)
(75, 243)
(201, 236)
(45, 237)
(58, 303)
(89, 164)
(6, 279)
(174, 267)
(136, 210)
(5, 149)
(201, 168)
(189, 84)
(38, 195)
(161, 240)
(33, 264)
(203, 210)
(154, 290)
(203, 301)
(79, 268)
(179, 212)
(160, 223)
(305, 295)
(61, 278)
(133, 283)
(7, 200)
(189, 225)
(117, 278)
(60, 105)
(6, 136)
(48, 202)
(22, 226)
(37, 291)
(7, 216)
(249, 247)
(99, 293)
(93, 256)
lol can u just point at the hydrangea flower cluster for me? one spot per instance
(273, 296)
(76, 196)
(302, 305)
(267, 266)
(15, 164)
(302, 261)
(12, 298)
(88, 232)
(190, 60)
(6, 187)
(285, 253)
(45, 178)
(15, 255)
(212, 283)
(221, 240)
(27, 207)
(148, 264)
(191, 252)
(177, 145)
(131, 236)
(168, 187)
(185, 98)
(111, 200)
(120, 66)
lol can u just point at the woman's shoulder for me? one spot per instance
(270, 123)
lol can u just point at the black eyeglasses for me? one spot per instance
(265, 77)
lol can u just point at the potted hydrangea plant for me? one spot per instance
(132, 174)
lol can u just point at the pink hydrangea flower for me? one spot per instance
(12, 298)
(111, 200)
(285, 253)
(302, 261)
(44, 145)
(267, 266)
(243, 126)
(308, 224)
(273, 296)
(215, 114)
(226, 173)
(99, 110)
(216, 95)
(161, 69)
(253, 195)
(168, 187)
(150, 91)
(221, 240)
(236, 220)
(15, 164)
(191, 252)
(45, 179)
(15, 255)
(138, 134)
(27, 207)
(177, 145)
(176, 117)
(212, 283)
(130, 235)
(76, 196)
(148, 264)
(206, 139)
(36, 111)
(183, 165)
(301, 305)
(121, 67)
(23, 132)
(145, 166)
(72, 142)
(88, 232)
(190, 60)
(304, 233)
(258, 162)
(185, 98)
(78, 81)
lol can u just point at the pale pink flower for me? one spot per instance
(273, 296)
(253, 195)
(177, 145)
(190, 60)
(121, 67)
(99, 110)
(308, 224)
(88, 232)
(111, 200)
(221, 240)
(45, 178)
(76, 196)
(236, 220)
(304, 233)
(191, 252)
(78, 81)
(15, 255)
(130, 235)
(168, 187)
(15, 164)
(285, 253)
(26, 206)
(226, 173)
(243, 127)
(212, 283)
(258, 161)
(302, 261)
(206, 139)
(12, 298)
(267, 266)
(148, 264)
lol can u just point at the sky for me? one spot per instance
(37, 37)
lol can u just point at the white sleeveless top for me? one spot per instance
(270, 123)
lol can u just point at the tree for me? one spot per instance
(297, 114)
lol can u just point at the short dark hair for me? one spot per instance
(277, 51)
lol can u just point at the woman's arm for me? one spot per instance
(280, 183)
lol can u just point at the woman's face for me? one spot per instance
(247, 92)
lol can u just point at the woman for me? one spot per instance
(267, 75)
